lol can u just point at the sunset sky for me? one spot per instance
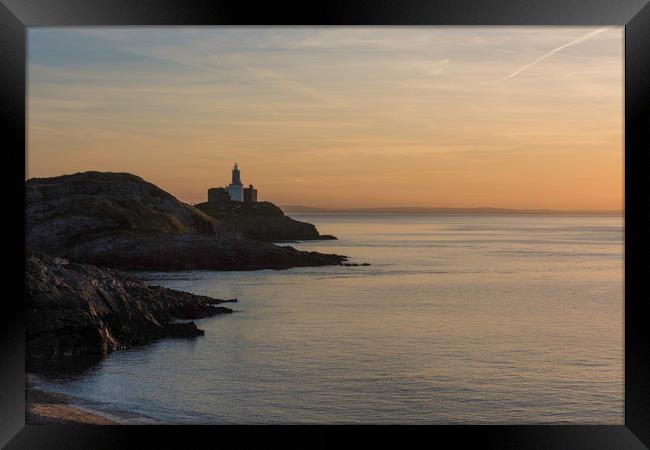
(512, 117)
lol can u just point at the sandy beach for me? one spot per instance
(42, 407)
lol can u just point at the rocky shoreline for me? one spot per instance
(83, 229)
(74, 309)
(77, 310)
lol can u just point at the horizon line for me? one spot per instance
(451, 209)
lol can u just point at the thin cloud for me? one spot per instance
(555, 50)
(295, 86)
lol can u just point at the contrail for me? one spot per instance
(555, 50)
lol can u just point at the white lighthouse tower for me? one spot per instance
(236, 189)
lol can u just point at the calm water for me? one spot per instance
(473, 319)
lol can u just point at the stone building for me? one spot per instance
(218, 195)
(250, 194)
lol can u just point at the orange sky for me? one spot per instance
(512, 117)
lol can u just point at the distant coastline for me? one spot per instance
(440, 210)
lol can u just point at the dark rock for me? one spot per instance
(78, 309)
(232, 300)
(262, 221)
(354, 264)
(221, 310)
(119, 220)
(327, 237)
(193, 252)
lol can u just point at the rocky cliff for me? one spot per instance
(262, 221)
(119, 220)
(79, 309)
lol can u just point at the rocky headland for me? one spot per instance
(261, 221)
(76, 309)
(119, 220)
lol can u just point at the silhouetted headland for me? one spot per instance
(121, 221)
(262, 221)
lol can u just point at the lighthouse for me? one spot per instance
(236, 179)
(236, 189)
(234, 192)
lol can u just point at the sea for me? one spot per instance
(473, 319)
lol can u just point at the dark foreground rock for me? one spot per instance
(262, 221)
(78, 309)
(121, 221)
(189, 252)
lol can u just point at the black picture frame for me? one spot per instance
(16, 15)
